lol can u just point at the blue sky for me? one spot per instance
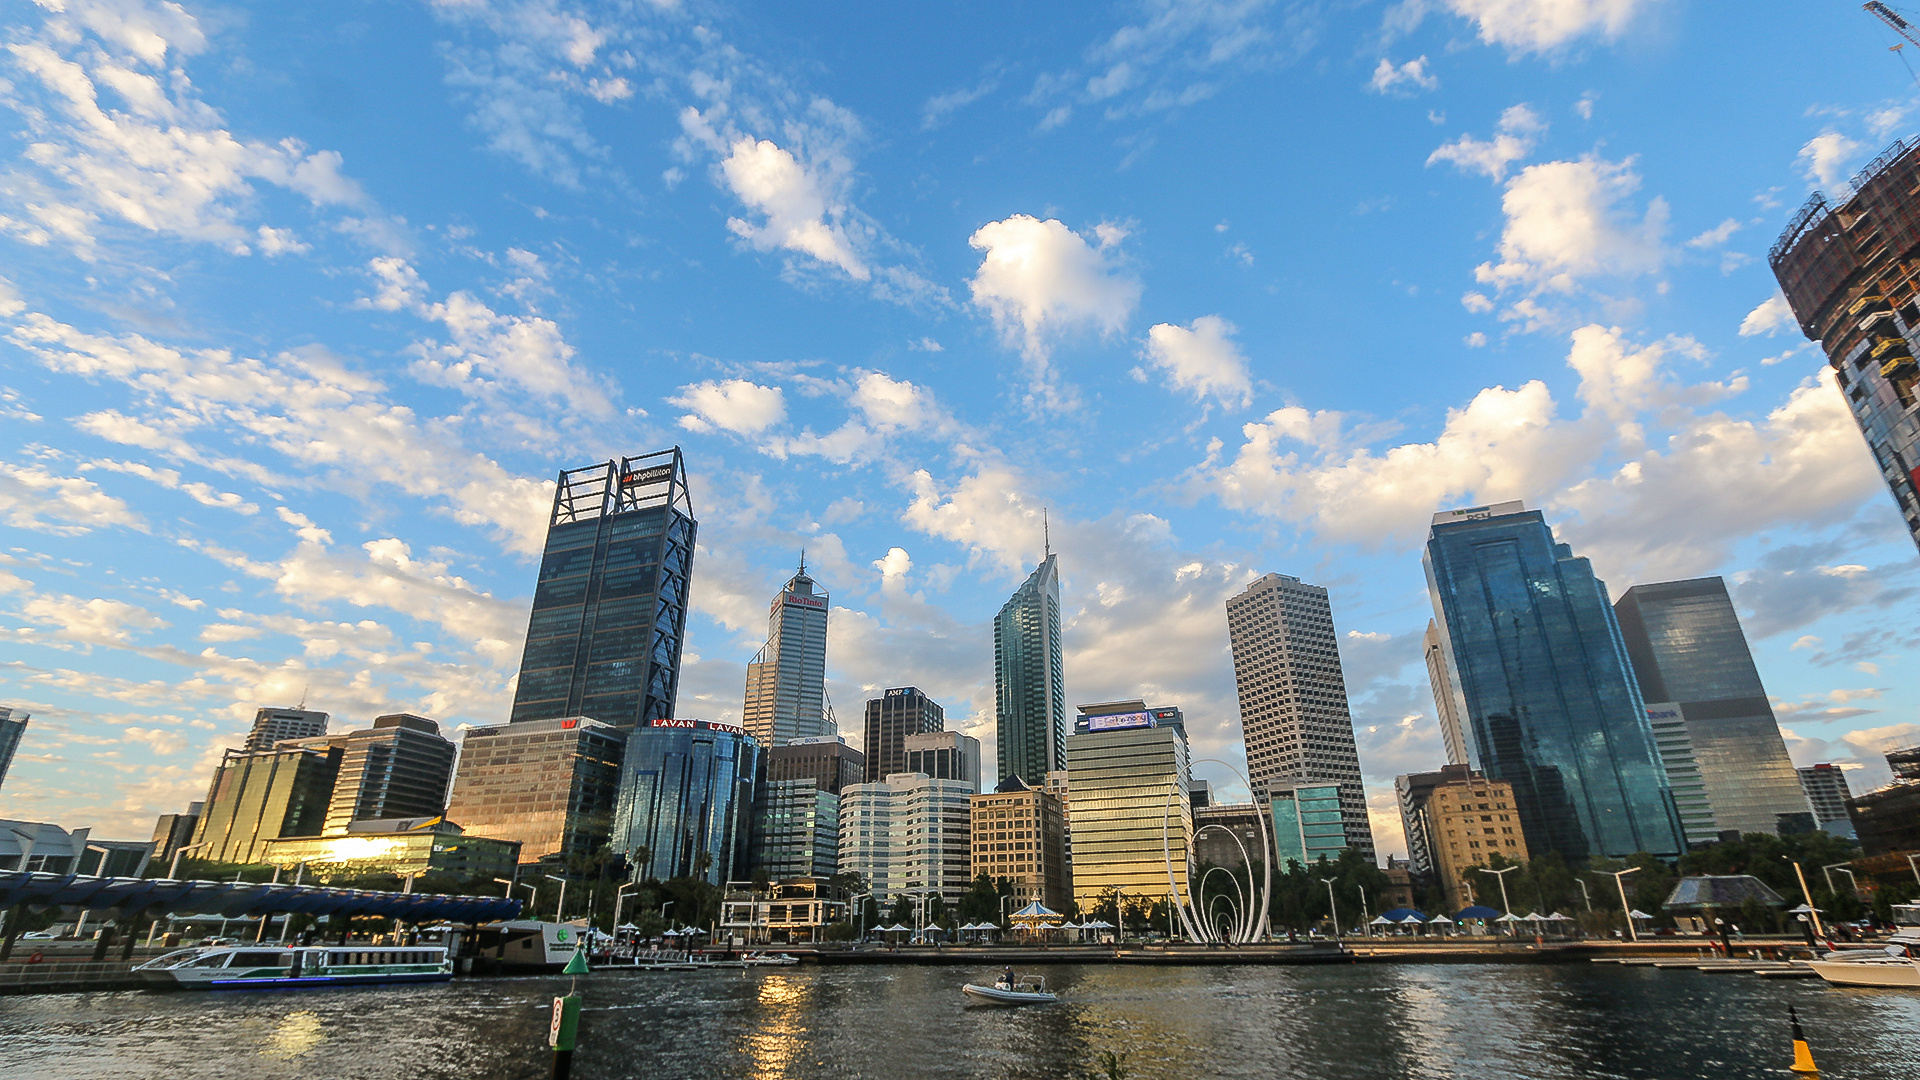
(302, 306)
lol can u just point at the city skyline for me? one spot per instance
(292, 436)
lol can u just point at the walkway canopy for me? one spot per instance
(1720, 891)
(154, 897)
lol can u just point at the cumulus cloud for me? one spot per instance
(1514, 138)
(1202, 359)
(735, 405)
(1540, 26)
(1039, 279)
(95, 621)
(1824, 160)
(33, 498)
(1566, 221)
(1770, 315)
(793, 203)
(896, 404)
(1413, 74)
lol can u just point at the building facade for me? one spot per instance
(1447, 705)
(1030, 685)
(171, 832)
(1473, 818)
(685, 807)
(274, 726)
(1130, 811)
(1826, 788)
(1411, 791)
(1550, 701)
(1689, 788)
(787, 680)
(1687, 648)
(1293, 696)
(826, 760)
(945, 755)
(398, 768)
(13, 727)
(909, 834)
(610, 610)
(1020, 837)
(796, 830)
(256, 797)
(1228, 834)
(899, 712)
(399, 846)
(549, 785)
(1309, 822)
(1850, 274)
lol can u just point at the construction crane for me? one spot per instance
(1899, 26)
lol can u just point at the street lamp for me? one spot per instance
(1585, 896)
(559, 911)
(173, 870)
(1913, 863)
(1505, 907)
(533, 892)
(1619, 882)
(1807, 894)
(619, 898)
(1842, 867)
(1333, 907)
(1366, 916)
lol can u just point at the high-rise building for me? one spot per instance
(1308, 822)
(1849, 275)
(1413, 790)
(398, 768)
(1293, 696)
(1130, 811)
(1446, 697)
(686, 801)
(1687, 648)
(13, 726)
(787, 679)
(256, 797)
(1904, 763)
(1689, 788)
(1020, 836)
(1030, 686)
(826, 760)
(1473, 818)
(945, 755)
(1887, 820)
(271, 726)
(1228, 834)
(899, 712)
(171, 832)
(549, 784)
(610, 611)
(1550, 704)
(1826, 788)
(796, 829)
(908, 834)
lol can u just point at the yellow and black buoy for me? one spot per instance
(1802, 1056)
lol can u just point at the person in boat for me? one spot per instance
(1006, 980)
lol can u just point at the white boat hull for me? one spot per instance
(1885, 972)
(993, 995)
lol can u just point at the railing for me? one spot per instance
(18, 976)
(1804, 218)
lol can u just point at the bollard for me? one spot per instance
(562, 1033)
(1802, 1055)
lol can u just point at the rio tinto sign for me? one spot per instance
(802, 600)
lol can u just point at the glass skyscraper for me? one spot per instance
(12, 728)
(1130, 814)
(685, 807)
(549, 784)
(1030, 698)
(610, 611)
(1548, 694)
(787, 681)
(1688, 651)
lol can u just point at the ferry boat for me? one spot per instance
(240, 967)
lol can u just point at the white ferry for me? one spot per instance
(239, 967)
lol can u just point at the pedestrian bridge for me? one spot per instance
(146, 898)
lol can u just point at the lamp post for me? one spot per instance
(173, 870)
(1333, 907)
(1505, 907)
(1619, 882)
(1842, 867)
(560, 910)
(1913, 863)
(1807, 895)
(1585, 896)
(860, 920)
(619, 899)
(533, 892)
(1366, 915)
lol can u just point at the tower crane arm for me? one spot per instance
(1892, 18)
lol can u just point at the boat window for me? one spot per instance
(260, 959)
(216, 960)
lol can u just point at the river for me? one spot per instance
(1362, 1022)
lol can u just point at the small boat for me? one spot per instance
(1896, 964)
(760, 959)
(240, 967)
(1011, 989)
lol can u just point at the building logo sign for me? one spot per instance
(728, 728)
(1119, 721)
(802, 600)
(659, 474)
(668, 722)
(903, 691)
(1657, 713)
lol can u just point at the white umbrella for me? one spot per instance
(1381, 920)
(1636, 913)
(1440, 920)
(1414, 918)
(1535, 917)
(1509, 917)
(1557, 917)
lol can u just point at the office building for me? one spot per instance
(398, 768)
(264, 795)
(685, 807)
(1309, 822)
(1904, 763)
(402, 847)
(1199, 792)
(1849, 274)
(1130, 810)
(1826, 788)
(274, 726)
(1293, 696)
(1689, 788)
(13, 727)
(1411, 791)
(41, 848)
(1887, 820)
(1446, 697)
(908, 834)
(826, 760)
(796, 829)
(171, 832)
(787, 679)
(1688, 650)
(1030, 686)
(547, 784)
(1020, 837)
(945, 755)
(1473, 818)
(610, 610)
(893, 716)
(112, 858)
(1549, 700)
(1228, 834)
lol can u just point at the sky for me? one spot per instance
(303, 306)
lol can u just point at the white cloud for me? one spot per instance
(1538, 26)
(1770, 315)
(33, 498)
(1824, 160)
(204, 494)
(890, 403)
(1039, 279)
(1715, 236)
(1519, 129)
(986, 512)
(735, 405)
(1202, 359)
(793, 201)
(1566, 221)
(1413, 73)
(91, 622)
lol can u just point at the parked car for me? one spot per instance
(39, 935)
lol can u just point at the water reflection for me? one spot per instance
(298, 1033)
(777, 1039)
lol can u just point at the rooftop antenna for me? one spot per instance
(1046, 535)
(803, 560)
(303, 697)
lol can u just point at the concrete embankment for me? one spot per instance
(1353, 951)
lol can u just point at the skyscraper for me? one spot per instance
(686, 800)
(549, 784)
(1129, 782)
(945, 755)
(1687, 648)
(1826, 788)
(893, 716)
(1020, 837)
(12, 728)
(796, 830)
(1446, 699)
(1293, 696)
(256, 797)
(398, 768)
(610, 611)
(1030, 688)
(1549, 700)
(787, 679)
(1847, 272)
(271, 726)
(908, 834)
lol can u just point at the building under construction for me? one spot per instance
(1852, 275)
